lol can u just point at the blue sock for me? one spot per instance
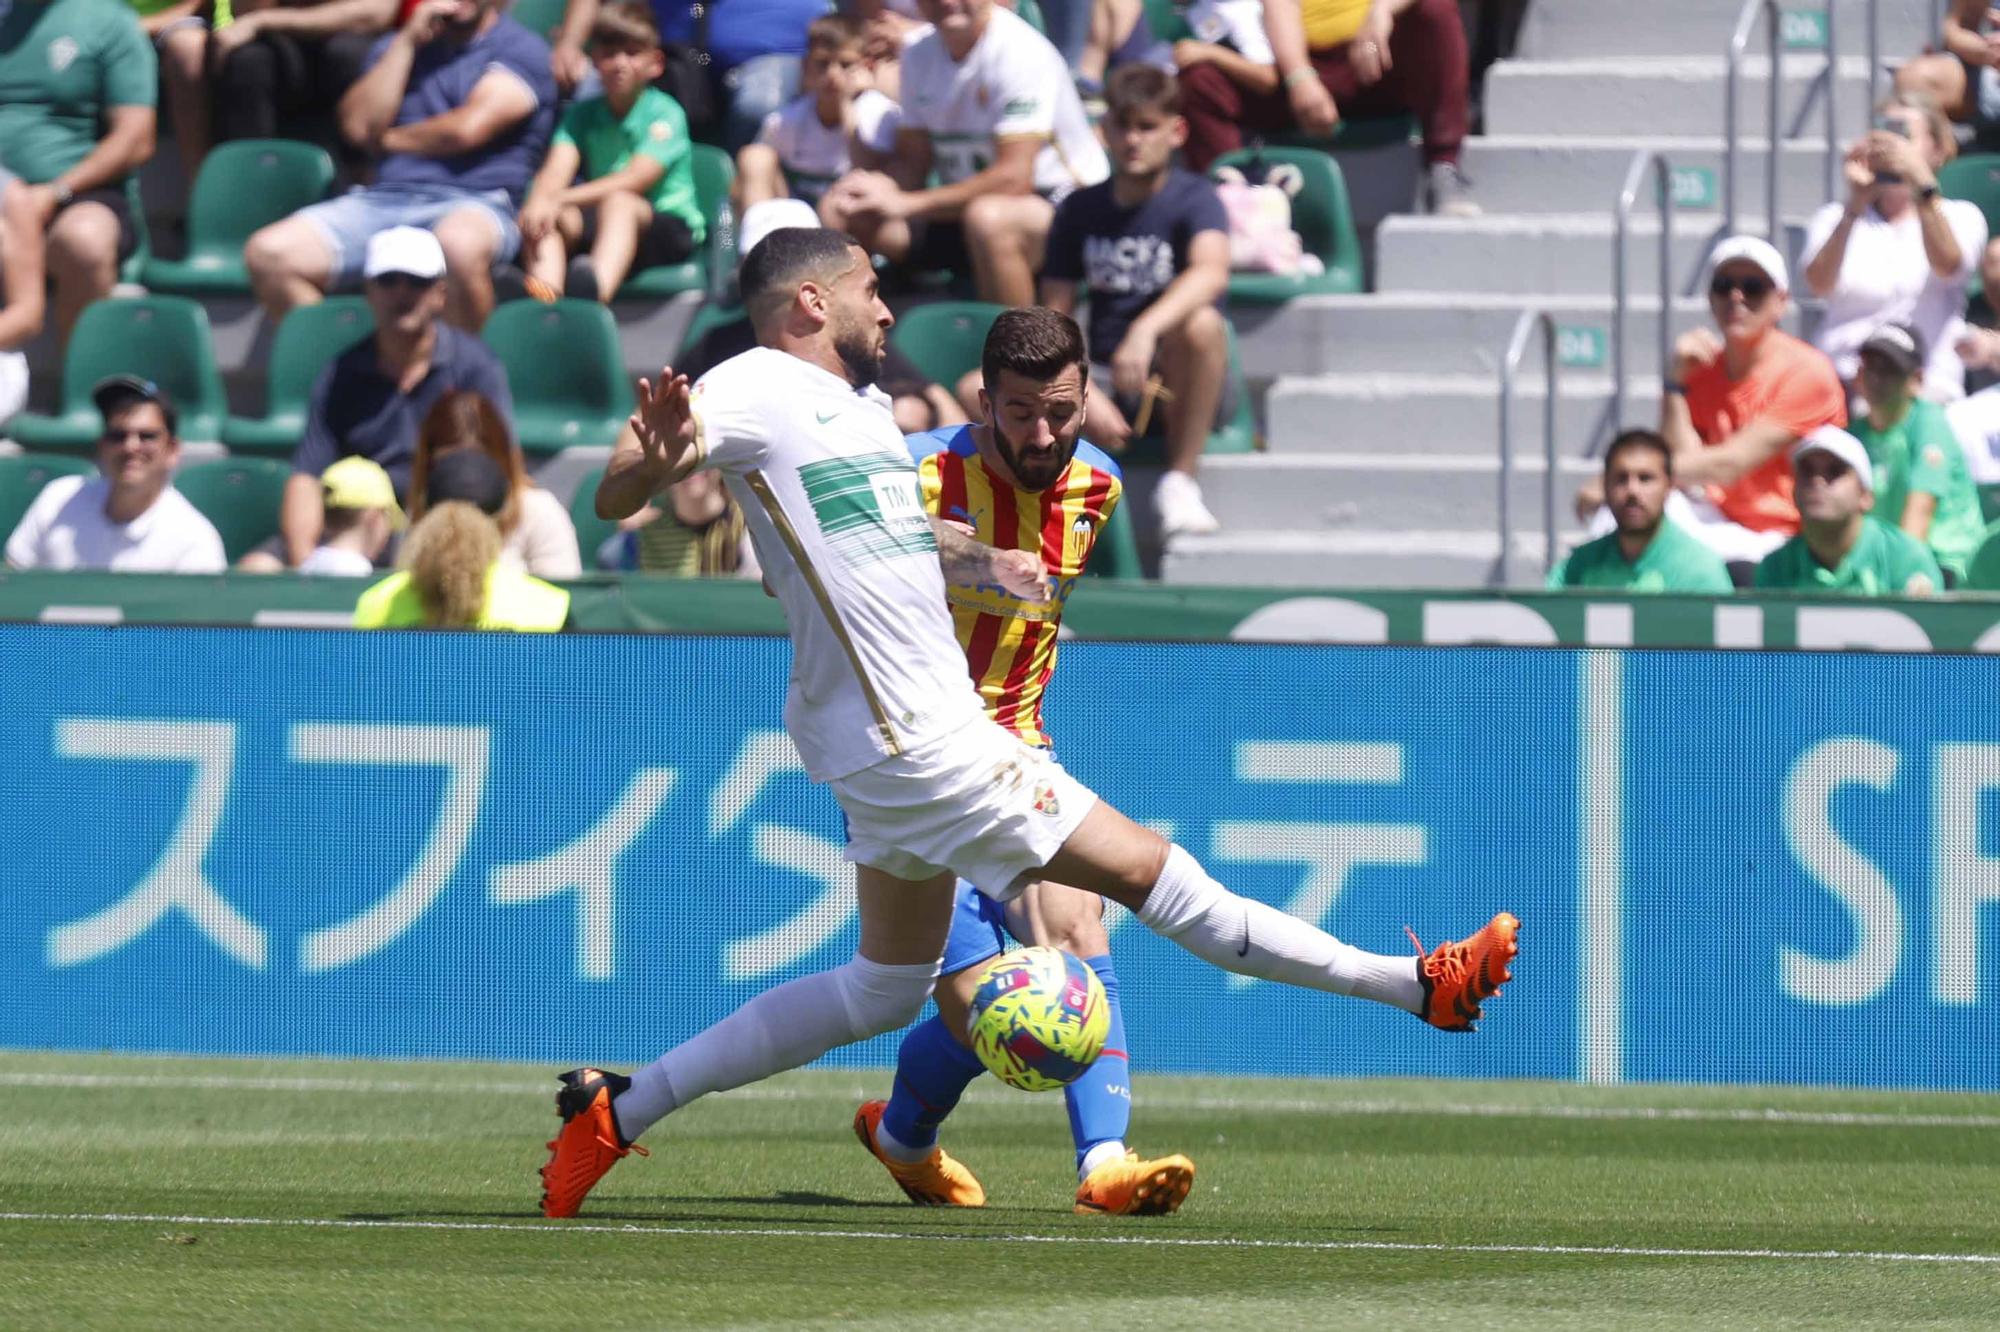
(1100, 1102)
(932, 1072)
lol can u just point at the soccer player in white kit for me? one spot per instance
(881, 710)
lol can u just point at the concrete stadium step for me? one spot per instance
(1533, 173)
(1420, 414)
(1436, 333)
(1444, 492)
(1567, 254)
(1682, 95)
(1377, 558)
(1567, 29)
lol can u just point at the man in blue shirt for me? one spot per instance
(460, 104)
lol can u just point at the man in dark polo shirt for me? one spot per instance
(372, 399)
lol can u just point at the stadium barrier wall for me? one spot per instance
(1107, 610)
(1733, 866)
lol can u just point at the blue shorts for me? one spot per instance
(346, 223)
(978, 930)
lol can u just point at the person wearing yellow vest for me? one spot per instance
(1347, 60)
(452, 577)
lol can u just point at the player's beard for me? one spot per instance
(860, 349)
(1034, 472)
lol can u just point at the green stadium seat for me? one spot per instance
(161, 338)
(239, 495)
(711, 315)
(566, 371)
(714, 173)
(1322, 217)
(541, 17)
(1116, 554)
(944, 338)
(309, 338)
(591, 531)
(1368, 132)
(1989, 501)
(1168, 22)
(134, 268)
(1031, 14)
(242, 186)
(1976, 179)
(22, 477)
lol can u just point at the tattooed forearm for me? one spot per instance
(966, 562)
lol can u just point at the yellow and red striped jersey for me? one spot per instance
(1010, 644)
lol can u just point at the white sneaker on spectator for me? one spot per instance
(1178, 505)
(1448, 191)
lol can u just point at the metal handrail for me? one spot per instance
(1628, 196)
(1739, 43)
(1517, 346)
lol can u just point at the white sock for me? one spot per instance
(782, 1028)
(1113, 1150)
(897, 1150)
(1252, 939)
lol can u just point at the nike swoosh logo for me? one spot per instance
(824, 417)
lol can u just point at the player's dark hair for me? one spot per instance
(773, 270)
(1637, 438)
(1034, 342)
(1138, 87)
(834, 32)
(625, 24)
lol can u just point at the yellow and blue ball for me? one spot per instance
(1039, 1018)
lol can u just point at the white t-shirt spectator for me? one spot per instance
(1885, 278)
(1011, 82)
(1976, 422)
(543, 543)
(65, 528)
(337, 562)
(815, 155)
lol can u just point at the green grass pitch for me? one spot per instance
(139, 1193)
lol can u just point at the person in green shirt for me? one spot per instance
(1921, 481)
(1840, 548)
(78, 84)
(1647, 552)
(635, 207)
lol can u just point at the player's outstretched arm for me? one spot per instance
(659, 445)
(970, 563)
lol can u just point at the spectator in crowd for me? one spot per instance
(279, 63)
(370, 401)
(838, 121)
(1348, 58)
(988, 104)
(459, 103)
(535, 529)
(1227, 33)
(1647, 551)
(1150, 249)
(1896, 251)
(1962, 78)
(1733, 407)
(1979, 342)
(1840, 548)
(362, 516)
(634, 206)
(1921, 481)
(889, 25)
(452, 575)
(78, 83)
(178, 30)
(749, 49)
(128, 517)
(695, 530)
(22, 295)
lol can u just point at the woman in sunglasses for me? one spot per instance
(1897, 251)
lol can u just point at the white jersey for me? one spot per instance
(830, 494)
(1012, 82)
(815, 155)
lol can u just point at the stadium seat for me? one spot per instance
(711, 315)
(1367, 132)
(22, 477)
(714, 173)
(1975, 178)
(944, 338)
(133, 270)
(1236, 435)
(239, 495)
(1167, 20)
(1322, 217)
(307, 340)
(1031, 14)
(242, 186)
(566, 371)
(541, 17)
(161, 338)
(591, 531)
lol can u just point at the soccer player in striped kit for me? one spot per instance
(1022, 479)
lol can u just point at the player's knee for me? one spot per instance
(880, 997)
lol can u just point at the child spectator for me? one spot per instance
(636, 207)
(838, 122)
(1150, 246)
(361, 516)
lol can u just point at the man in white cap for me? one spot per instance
(372, 399)
(1839, 548)
(1735, 400)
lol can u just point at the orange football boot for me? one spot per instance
(935, 1181)
(588, 1144)
(1132, 1187)
(1459, 977)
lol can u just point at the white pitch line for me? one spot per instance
(1226, 1104)
(1143, 1241)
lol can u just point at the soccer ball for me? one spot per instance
(1039, 1018)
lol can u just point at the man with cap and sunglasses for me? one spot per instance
(1922, 484)
(129, 517)
(1840, 548)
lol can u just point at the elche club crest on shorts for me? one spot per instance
(1046, 802)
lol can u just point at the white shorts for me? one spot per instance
(977, 802)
